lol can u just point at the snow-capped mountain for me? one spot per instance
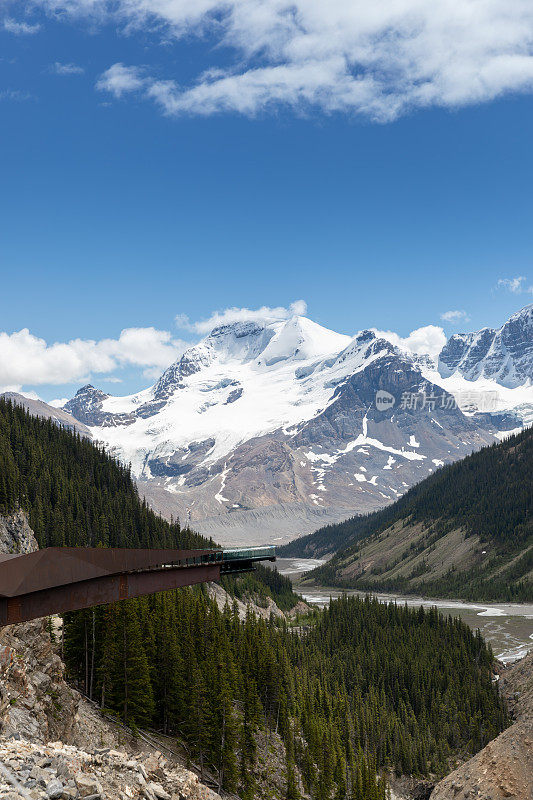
(266, 431)
(504, 355)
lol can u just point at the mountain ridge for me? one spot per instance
(285, 413)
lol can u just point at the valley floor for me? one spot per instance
(508, 627)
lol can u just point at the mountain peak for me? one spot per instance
(504, 355)
(283, 413)
(523, 313)
(302, 339)
(90, 391)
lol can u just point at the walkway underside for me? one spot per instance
(59, 579)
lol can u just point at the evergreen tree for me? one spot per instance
(125, 671)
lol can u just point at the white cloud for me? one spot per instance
(15, 95)
(378, 59)
(66, 69)
(27, 359)
(428, 340)
(119, 79)
(515, 285)
(20, 28)
(455, 317)
(230, 315)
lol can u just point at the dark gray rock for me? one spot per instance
(504, 355)
(54, 789)
(86, 406)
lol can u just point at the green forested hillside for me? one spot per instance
(363, 689)
(368, 687)
(467, 530)
(75, 494)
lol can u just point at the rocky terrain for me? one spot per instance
(504, 355)
(57, 770)
(16, 536)
(35, 702)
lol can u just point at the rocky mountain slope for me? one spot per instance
(57, 770)
(265, 426)
(35, 702)
(466, 531)
(504, 355)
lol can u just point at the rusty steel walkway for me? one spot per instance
(59, 579)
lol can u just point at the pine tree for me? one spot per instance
(125, 667)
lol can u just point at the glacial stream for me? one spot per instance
(507, 626)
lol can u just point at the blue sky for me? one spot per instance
(214, 168)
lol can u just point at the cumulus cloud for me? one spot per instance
(375, 59)
(28, 359)
(455, 317)
(66, 69)
(119, 80)
(428, 340)
(58, 402)
(515, 285)
(230, 315)
(20, 28)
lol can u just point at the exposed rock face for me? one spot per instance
(222, 598)
(247, 338)
(35, 701)
(504, 355)
(86, 406)
(16, 536)
(504, 768)
(465, 351)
